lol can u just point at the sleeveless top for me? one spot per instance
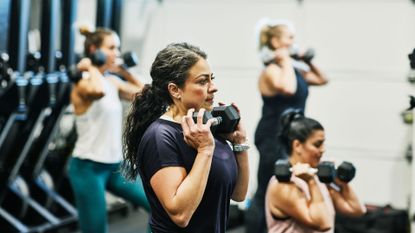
(289, 225)
(100, 127)
(274, 106)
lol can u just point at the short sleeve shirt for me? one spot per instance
(163, 145)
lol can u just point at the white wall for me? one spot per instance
(362, 45)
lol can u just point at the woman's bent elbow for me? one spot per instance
(181, 220)
(239, 198)
(322, 227)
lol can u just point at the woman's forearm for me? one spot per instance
(241, 187)
(319, 212)
(190, 192)
(351, 198)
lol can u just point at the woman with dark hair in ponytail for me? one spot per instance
(189, 175)
(95, 165)
(305, 204)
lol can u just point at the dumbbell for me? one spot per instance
(283, 170)
(59, 60)
(74, 74)
(33, 61)
(207, 116)
(411, 57)
(326, 171)
(128, 59)
(5, 70)
(346, 171)
(228, 118)
(306, 57)
(98, 58)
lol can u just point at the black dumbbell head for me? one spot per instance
(130, 59)
(230, 118)
(346, 172)
(98, 58)
(207, 116)
(326, 171)
(282, 170)
(33, 61)
(74, 74)
(308, 55)
(59, 59)
(411, 57)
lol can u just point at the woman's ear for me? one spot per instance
(92, 49)
(297, 146)
(174, 91)
(275, 42)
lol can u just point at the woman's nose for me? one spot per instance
(212, 87)
(117, 53)
(323, 149)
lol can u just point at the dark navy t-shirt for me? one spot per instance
(162, 146)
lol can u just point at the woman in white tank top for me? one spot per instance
(95, 165)
(305, 204)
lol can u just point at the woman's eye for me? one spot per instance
(318, 144)
(203, 82)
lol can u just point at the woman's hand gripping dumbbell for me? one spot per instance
(227, 118)
(283, 171)
(326, 172)
(336, 178)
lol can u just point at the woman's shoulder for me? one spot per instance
(161, 128)
(284, 190)
(271, 70)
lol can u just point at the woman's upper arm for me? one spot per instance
(291, 201)
(88, 90)
(277, 80)
(91, 87)
(273, 78)
(165, 183)
(313, 79)
(340, 204)
(127, 91)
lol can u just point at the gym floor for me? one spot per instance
(136, 222)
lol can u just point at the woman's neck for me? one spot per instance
(175, 113)
(293, 159)
(102, 69)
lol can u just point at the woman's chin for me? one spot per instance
(208, 106)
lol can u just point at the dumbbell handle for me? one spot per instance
(335, 186)
(331, 184)
(216, 121)
(310, 170)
